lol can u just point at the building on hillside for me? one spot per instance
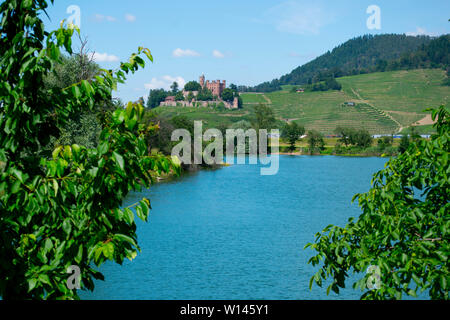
(350, 104)
(216, 87)
(186, 93)
(300, 90)
(170, 99)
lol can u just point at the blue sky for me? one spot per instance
(244, 42)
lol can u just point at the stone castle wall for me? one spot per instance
(228, 105)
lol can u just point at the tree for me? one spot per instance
(404, 143)
(363, 139)
(243, 124)
(385, 142)
(179, 96)
(190, 96)
(345, 134)
(401, 239)
(264, 118)
(155, 97)
(292, 132)
(227, 95)
(174, 87)
(83, 127)
(192, 86)
(204, 95)
(315, 141)
(64, 209)
(240, 101)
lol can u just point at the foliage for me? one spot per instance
(315, 141)
(179, 96)
(174, 88)
(403, 231)
(385, 142)
(155, 97)
(264, 118)
(84, 127)
(350, 136)
(356, 56)
(292, 132)
(204, 95)
(181, 122)
(404, 143)
(64, 209)
(244, 125)
(227, 95)
(84, 131)
(362, 139)
(192, 86)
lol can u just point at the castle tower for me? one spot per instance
(202, 80)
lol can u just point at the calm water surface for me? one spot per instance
(233, 234)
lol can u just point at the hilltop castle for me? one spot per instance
(216, 87)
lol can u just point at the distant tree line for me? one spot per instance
(366, 54)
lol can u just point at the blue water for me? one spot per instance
(234, 234)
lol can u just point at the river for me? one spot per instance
(234, 234)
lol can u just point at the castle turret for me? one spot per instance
(202, 80)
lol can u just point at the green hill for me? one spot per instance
(385, 102)
(359, 55)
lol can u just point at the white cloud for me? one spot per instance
(218, 54)
(104, 57)
(165, 82)
(130, 17)
(421, 32)
(178, 53)
(101, 17)
(297, 17)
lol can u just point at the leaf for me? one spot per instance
(140, 213)
(144, 207)
(55, 187)
(108, 250)
(32, 284)
(119, 160)
(56, 152)
(18, 174)
(48, 245)
(76, 92)
(44, 279)
(103, 148)
(125, 238)
(129, 216)
(79, 255)
(67, 226)
(176, 161)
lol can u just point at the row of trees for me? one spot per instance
(328, 83)
(364, 55)
(356, 137)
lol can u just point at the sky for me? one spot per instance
(245, 42)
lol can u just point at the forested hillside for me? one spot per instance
(367, 54)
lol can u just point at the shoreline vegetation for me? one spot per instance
(384, 147)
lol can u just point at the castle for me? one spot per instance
(216, 87)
